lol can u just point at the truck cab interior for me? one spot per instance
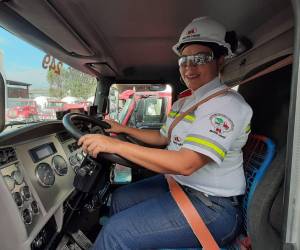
(55, 197)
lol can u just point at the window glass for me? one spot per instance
(140, 105)
(39, 85)
(153, 107)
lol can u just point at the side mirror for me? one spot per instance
(3, 101)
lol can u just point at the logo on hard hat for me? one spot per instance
(191, 31)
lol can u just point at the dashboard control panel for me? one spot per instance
(36, 178)
(20, 191)
(47, 167)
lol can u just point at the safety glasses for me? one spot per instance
(194, 60)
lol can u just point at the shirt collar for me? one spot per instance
(203, 90)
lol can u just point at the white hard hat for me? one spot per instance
(203, 29)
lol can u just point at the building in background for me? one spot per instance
(17, 89)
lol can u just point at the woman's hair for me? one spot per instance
(232, 39)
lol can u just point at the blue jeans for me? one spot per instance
(145, 216)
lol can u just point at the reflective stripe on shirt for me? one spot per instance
(206, 143)
(188, 118)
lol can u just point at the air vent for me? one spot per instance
(7, 155)
(63, 136)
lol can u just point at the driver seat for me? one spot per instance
(258, 153)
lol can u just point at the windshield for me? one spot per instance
(39, 85)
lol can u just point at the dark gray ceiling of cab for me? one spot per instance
(125, 39)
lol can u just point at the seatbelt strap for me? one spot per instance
(192, 216)
(191, 109)
(284, 62)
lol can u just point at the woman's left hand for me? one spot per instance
(93, 144)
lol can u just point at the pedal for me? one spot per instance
(82, 240)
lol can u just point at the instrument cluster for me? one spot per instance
(45, 172)
(20, 192)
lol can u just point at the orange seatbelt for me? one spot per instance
(185, 205)
(192, 216)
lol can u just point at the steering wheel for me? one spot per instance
(68, 122)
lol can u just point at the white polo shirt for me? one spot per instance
(218, 129)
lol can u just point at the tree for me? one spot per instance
(79, 84)
(56, 83)
(71, 82)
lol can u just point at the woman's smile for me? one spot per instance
(196, 76)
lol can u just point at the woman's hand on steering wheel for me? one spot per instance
(115, 127)
(98, 143)
(93, 144)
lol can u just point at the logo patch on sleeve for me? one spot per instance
(178, 141)
(221, 125)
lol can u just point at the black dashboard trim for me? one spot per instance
(30, 132)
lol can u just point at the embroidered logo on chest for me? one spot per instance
(221, 125)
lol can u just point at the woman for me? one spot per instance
(203, 155)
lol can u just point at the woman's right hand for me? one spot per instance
(115, 127)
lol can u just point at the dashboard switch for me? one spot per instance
(18, 199)
(34, 207)
(25, 193)
(27, 216)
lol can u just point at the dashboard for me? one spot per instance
(37, 170)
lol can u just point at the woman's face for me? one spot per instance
(196, 76)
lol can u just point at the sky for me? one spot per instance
(22, 62)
